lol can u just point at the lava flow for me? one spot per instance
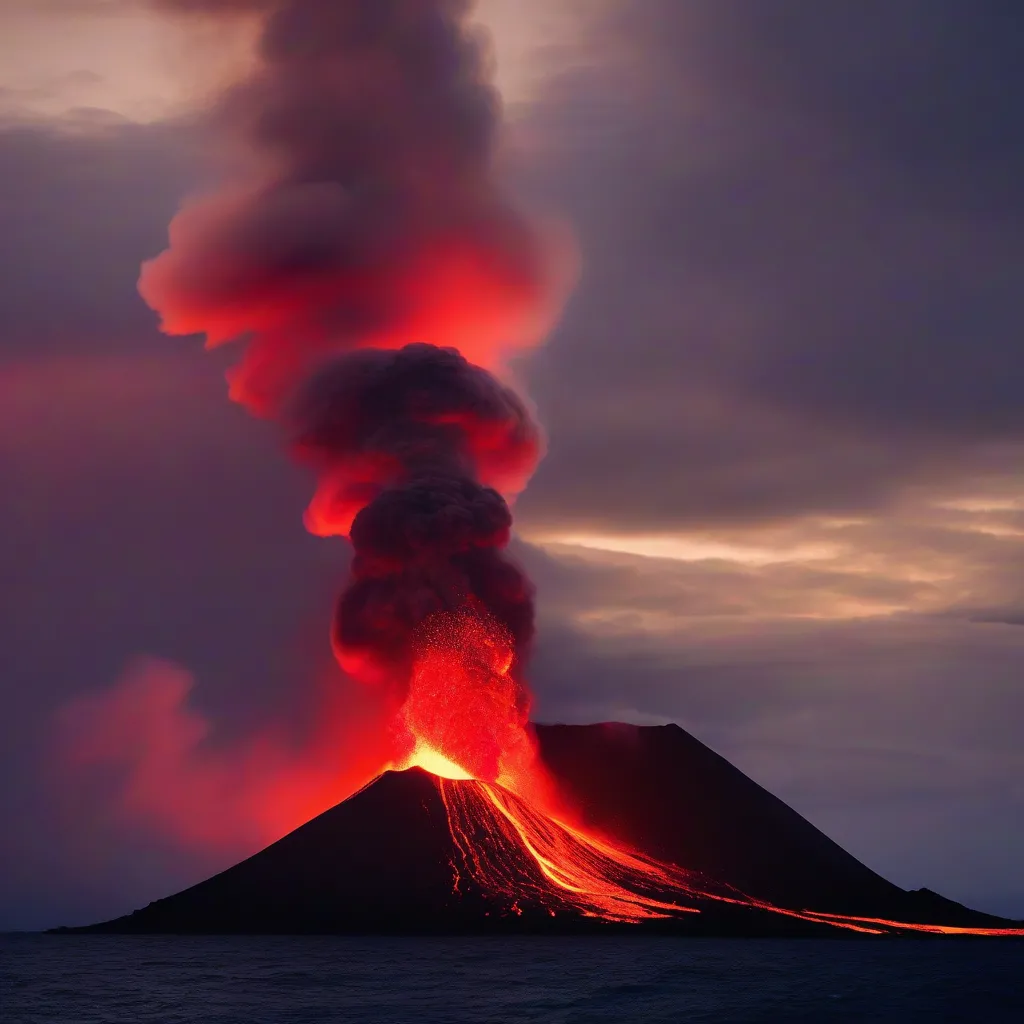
(573, 870)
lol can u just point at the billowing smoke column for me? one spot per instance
(373, 268)
(369, 215)
(407, 442)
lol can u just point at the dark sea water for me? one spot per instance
(570, 981)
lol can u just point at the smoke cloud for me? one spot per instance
(138, 755)
(408, 444)
(369, 214)
(376, 273)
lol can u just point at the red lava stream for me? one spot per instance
(497, 831)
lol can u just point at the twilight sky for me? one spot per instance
(783, 503)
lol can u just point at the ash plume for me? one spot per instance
(369, 213)
(376, 273)
(407, 443)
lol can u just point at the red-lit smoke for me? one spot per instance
(377, 274)
(369, 214)
(404, 441)
(137, 754)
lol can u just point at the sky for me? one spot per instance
(782, 503)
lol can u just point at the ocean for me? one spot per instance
(280, 980)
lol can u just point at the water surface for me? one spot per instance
(165, 980)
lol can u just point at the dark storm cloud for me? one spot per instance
(79, 210)
(931, 87)
(808, 291)
(916, 108)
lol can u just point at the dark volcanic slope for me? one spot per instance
(385, 861)
(674, 798)
(380, 861)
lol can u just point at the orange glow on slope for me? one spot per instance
(430, 760)
(575, 870)
(931, 929)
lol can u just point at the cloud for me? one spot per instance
(82, 209)
(169, 778)
(799, 296)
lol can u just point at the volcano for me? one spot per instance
(379, 283)
(668, 837)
